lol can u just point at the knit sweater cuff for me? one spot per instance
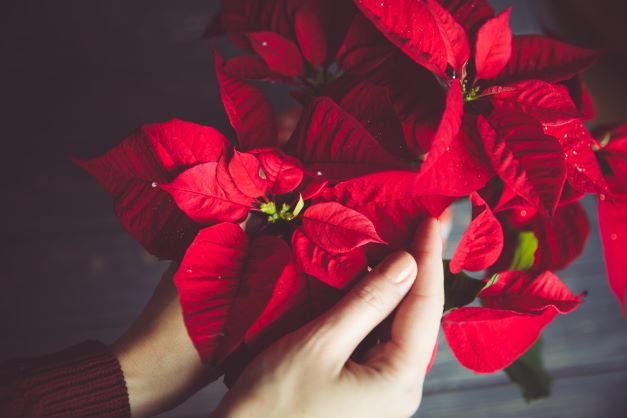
(81, 381)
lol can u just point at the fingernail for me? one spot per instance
(399, 267)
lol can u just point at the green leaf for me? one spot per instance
(459, 289)
(524, 256)
(493, 279)
(529, 374)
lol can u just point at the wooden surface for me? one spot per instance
(76, 77)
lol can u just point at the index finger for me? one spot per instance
(416, 324)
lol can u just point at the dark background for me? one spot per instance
(76, 76)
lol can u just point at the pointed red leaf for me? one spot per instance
(283, 173)
(471, 14)
(373, 108)
(529, 292)
(208, 281)
(584, 173)
(453, 34)
(311, 35)
(423, 30)
(335, 269)
(493, 47)
(248, 110)
(224, 286)
(449, 126)
(562, 238)
(462, 167)
(548, 103)
(197, 192)
(245, 172)
(290, 293)
(482, 242)
(537, 57)
(328, 134)
(337, 228)
(528, 161)
(613, 227)
(269, 261)
(486, 340)
(155, 154)
(281, 54)
(392, 200)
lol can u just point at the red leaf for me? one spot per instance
(613, 227)
(493, 48)
(221, 298)
(462, 168)
(469, 13)
(423, 30)
(335, 269)
(363, 45)
(453, 35)
(198, 193)
(536, 57)
(486, 340)
(482, 242)
(337, 228)
(528, 161)
(328, 134)
(448, 128)
(244, 171)
(392, 200)
(548, 103)
(290, 292)
(283, 173)
(528, 292)
(208, 281)
(310, 33)
(562, 238)
(269, 263)
(155, 153)
(584, 173)
(373, 108)
(248, 110)
(281, 55)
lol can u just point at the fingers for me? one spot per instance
(365, 306)
(417, 321)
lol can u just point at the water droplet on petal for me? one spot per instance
(448, 149)
(523, 213)
(574, 152)
(264, 43)
(319, 173)
(381, 4)
(154, 184)
(189, 270)
(219, 277)
(614, 236)
(602, 196)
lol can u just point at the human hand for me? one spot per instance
(309, 373)
(160, 364)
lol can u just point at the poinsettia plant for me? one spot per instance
(404, 107)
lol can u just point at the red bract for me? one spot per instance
(424, 30)
(482, 242)
(613, 210)
(517, 308)
(153, 155)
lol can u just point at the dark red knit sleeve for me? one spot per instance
(84, 380)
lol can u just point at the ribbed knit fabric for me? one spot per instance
(84, 380)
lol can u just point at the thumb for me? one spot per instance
(346, 324)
